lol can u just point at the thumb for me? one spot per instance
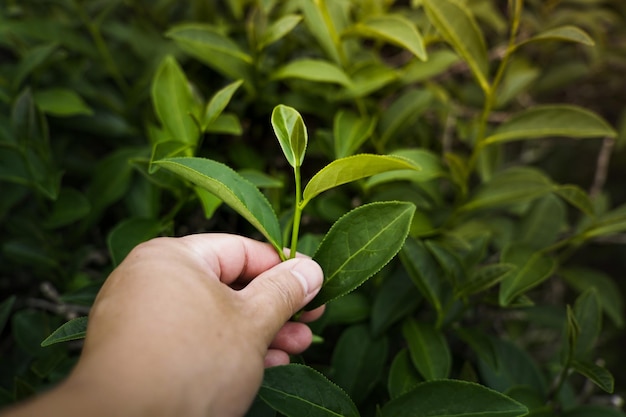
(278, 293)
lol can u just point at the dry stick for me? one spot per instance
(602, 166)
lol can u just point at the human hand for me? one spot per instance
(184, 326)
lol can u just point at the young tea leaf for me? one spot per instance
(291, 133)
(72, 330)
(395, 29)
(428, 348)
(359, 244)
(240, 194)
(457, 25)
(297, 390)
(447, 398)
(218, 103)
(352, 168)
(551, 120)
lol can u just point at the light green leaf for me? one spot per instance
(226, 123)
(453, 398)
(241, 195)
(366, 79)
(606, 289)
(532, 269)
(72, 330)
(597, 374)
(577, 197)
(403, 111)
(218, 103)
(551, 120)
(296, 391)
(428, 349)
(279, 29)
(358, 361)
(359, 244)
(438, 62)
(403, 376)
(429, 162)
(395, 29)
(209, 201)
(566, 33)
(214, 49)
(484, 278)
(129, 233)
(260, 179)
(174, 103)
(457, 26)
(319, 20)
(352, 168)
(350, 131)
(291, 133)
(313, 70)
(61, 102)
(515, 185)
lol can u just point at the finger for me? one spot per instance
(277, 294)
(231, 257)
(292, 338)
(275, 357)
(309, 316)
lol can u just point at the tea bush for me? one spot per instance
(480, 141)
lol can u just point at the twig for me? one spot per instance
(69, 311)
(602, 166)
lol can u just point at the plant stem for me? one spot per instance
(297, 215)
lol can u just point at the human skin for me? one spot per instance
(184, 327)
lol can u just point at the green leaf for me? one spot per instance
(395, 29)
(429, 162)
(209, 201)
(61, 102)
(606, 289)
(424, 271)
(367, 78)
(577, 197)
(226, 123)
(72, 330)
(588, 315)
(70, 206)
(173, 102)
(241, 195)
(319, 20)
(261, 180)
(350, 132)
(428, 348)
(438, 62)
(279, 29)
(129, 233)
(214, 49)
(402, 112)
(5, 310)
(352, 168)
(358, 361)
(457, 26)
(542, 224)
(532, 269)
(313, 70)
(594, 411)
(297, 390)
(359, 244)
(291, 133)
(551, 120)
(608, 224)
(484, 278)
(566, 33)
(597, 374)
(31, 60)
(395, 298)
(402, 375)
(572, 330)
(451, 398)
(515, 185)
(218, 103)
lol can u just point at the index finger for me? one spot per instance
(232, 258)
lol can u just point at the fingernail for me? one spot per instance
(309, 274)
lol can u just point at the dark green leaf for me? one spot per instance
(241, 195)
(543, 223)
(61, 102)
(395, 299)
(395, 29)
(457, 25)
(597, 374)
(291, 133)
(5, 310)
(70, 206)
(608, 224)
(174, 103)
(358, 361)
(404, 110)
(484, 278)
(352, 168)
(428, 348)
(72, 330)
(551, 120)
(577, 197)
(452, 398)
(128, 234)
(311, 394)
(532, 269)
(589, 318)
(359, 244)
(350, 131)
(31, 60)
(594, 411)
(402, 375)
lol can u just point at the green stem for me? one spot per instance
(297, 215)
